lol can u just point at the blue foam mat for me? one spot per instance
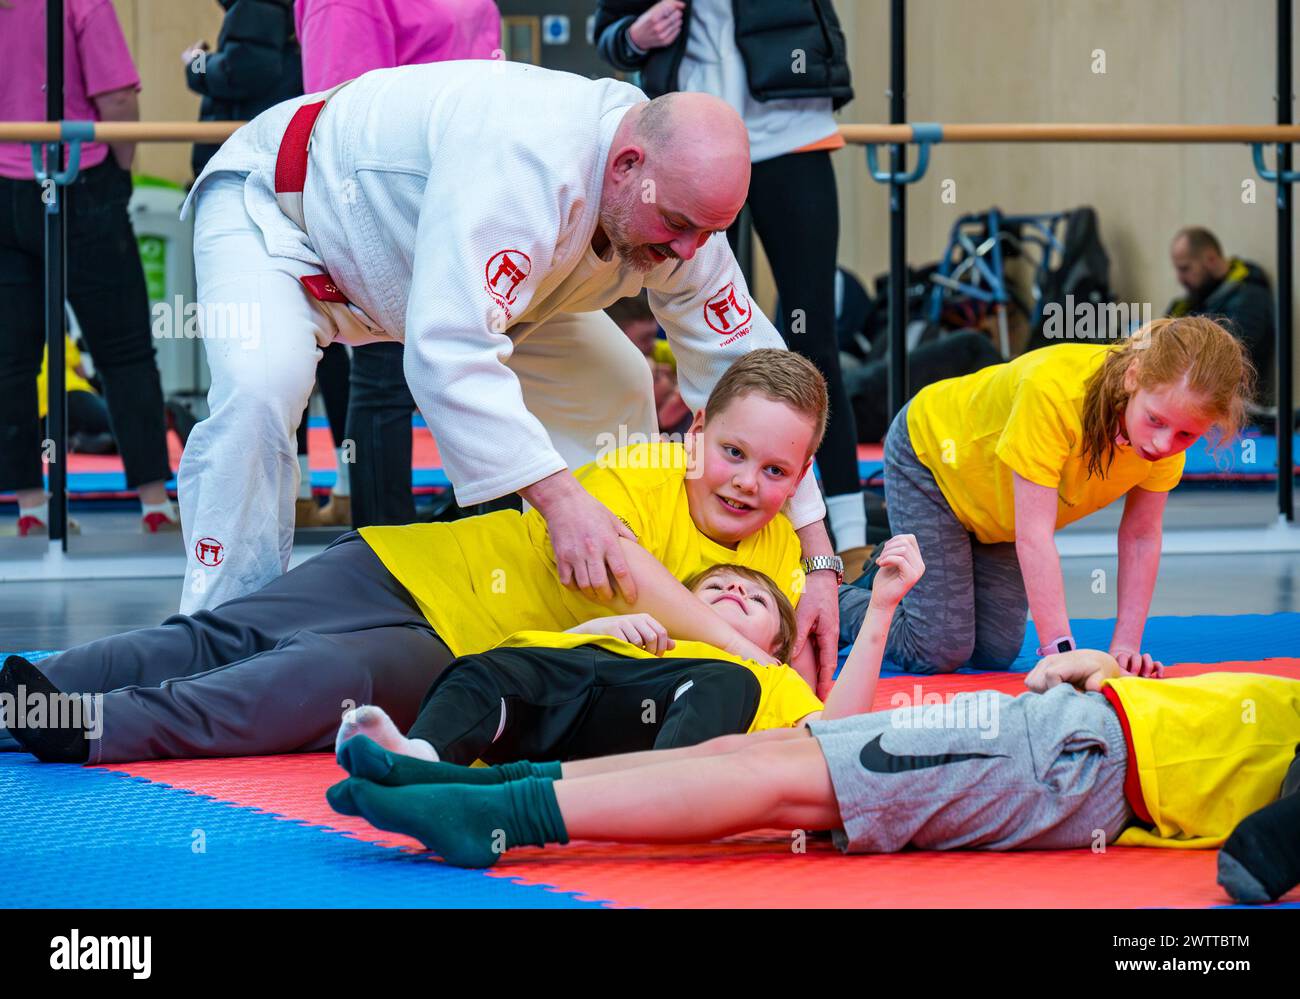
(75, 837)
(1195, 638)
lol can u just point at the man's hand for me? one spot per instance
(818, 620)
(1082, 668)
(585, 537)
(658, 26)
(900, 567)
(1136, 663)
(641, 630)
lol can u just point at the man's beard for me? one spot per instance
(615, 220)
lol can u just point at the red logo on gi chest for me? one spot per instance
(209, 551)
(505, 272)
(726, 312)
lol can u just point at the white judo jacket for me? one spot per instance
(454, 205)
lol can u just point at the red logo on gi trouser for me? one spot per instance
(209, 551)
(505, 272)
(726, 311)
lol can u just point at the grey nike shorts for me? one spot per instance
(983, 770)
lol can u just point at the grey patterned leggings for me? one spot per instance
(970, 606)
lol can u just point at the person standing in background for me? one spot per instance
(257, 65)
(105, 280)
(784, 81)
(341, 40)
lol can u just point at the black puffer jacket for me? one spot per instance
(767, 31)
(256, 65)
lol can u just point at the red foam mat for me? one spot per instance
(765, 869)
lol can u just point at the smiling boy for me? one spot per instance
(378, 616)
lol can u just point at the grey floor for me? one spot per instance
(51, 614)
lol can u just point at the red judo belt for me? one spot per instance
(291, 177)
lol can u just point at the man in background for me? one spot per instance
(1226, 288)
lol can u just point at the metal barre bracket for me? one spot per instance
(74, 133)
(1271, 176)
(924, 134)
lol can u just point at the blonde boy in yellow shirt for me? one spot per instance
(379, 615)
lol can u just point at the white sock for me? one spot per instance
(848, 520)
(41, 512)
(304, 478)
(373, 722)
(166, 508)
(343, 483)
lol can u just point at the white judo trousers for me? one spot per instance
(238, 478)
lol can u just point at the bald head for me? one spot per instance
(677, 172)
(696, 131)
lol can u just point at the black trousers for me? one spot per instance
(795, 209)
(107, 291)
(332, 374)
(270, 672)
(571, 704)
(379, 421)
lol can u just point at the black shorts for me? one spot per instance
(569, 704)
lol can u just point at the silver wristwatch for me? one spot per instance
(818, 562)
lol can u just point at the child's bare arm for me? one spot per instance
(900, 568)
(683, 614)
(1139, 564)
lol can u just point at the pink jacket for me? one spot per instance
(342, 39)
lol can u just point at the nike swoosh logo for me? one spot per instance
(879, 760)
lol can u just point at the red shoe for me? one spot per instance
(158, 523)
(30, 527)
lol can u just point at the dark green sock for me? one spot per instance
(466, 825)
(362, 757)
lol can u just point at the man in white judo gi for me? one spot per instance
(483, 213)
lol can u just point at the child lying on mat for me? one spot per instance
(622, 685)
(377, 616)
(1138, 761)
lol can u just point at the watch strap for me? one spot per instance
(818, 562)
(1065, 643)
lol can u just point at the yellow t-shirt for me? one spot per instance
(72, 381)
(784, 698)
(480, 579)
(1024, 416)
(1210, 750)
(662, 353)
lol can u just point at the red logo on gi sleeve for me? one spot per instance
(209, 551)
(505, 272)
(726, 312)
